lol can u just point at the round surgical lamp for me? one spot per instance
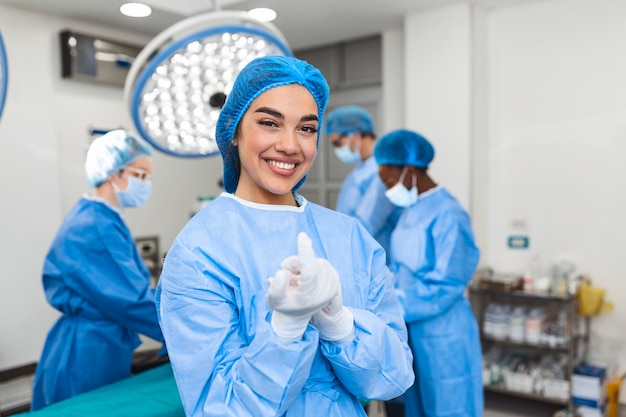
(4, 72)
(178, 82)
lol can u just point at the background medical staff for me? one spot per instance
(433, 257)
(351, 131)
(326, 328)
(93, 274)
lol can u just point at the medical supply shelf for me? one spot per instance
(572, 348)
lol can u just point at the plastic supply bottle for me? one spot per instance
(534, 322)
(532, 273)
(517, 324)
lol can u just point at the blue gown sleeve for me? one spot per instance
(378, 363)
(220, 370)
(375, 210)
(105, 272)
(453, 256)
(349, 195)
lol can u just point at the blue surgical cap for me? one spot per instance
(403, 147)
(349, 119)
(258, 76)
(111, 152)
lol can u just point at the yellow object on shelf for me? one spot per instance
(591, 300)
(612, 394)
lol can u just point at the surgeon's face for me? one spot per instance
(389, 174)
(277, 143)
(140, 168)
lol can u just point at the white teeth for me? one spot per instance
(282, 165)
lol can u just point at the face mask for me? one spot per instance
(347, 155)
(399, 195)
(135, 195)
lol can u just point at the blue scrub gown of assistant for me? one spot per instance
(434, 257)
(226, 358)
(94, 275)
(362, 195)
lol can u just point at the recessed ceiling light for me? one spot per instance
(263, 14)
(135, 10)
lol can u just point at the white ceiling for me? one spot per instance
(304, 23)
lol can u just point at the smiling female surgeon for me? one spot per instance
(93, 274)
(326, 327)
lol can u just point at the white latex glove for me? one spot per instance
(334, 321)
(299, 290)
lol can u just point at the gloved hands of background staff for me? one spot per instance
(300, 289)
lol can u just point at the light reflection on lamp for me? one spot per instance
(178, 83)
(4, 73)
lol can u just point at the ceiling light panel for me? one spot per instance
(135, 10)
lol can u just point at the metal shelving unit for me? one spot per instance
(575, 347)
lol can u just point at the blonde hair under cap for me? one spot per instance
(111, 152)
(260, 75)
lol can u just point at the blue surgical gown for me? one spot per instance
(226, 358)
(434, 257)
(93, 274)
(362, 195)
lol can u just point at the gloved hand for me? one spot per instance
(334, 321)
(299, 290)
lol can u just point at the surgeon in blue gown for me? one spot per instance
(271, 305)
(433, 257)
(351, 132)
(95, 277)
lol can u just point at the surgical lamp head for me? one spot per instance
(404, 147)
(111, 152)
(345, 120)
(260, 75)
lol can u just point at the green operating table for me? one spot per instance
(151, 393)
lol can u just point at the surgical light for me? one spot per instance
(4, 71)
(179, 81)
(135, 10)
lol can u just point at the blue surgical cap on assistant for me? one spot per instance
(111, 152)
(260, 75)
(403, 147)
(349, 119)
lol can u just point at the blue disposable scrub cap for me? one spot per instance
(111, 152)
(258, 76)
(403, 147)
(349, 119)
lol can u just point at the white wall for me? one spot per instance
(557, 132)
(393, 81)
(43, 139)
(546, 133)
(438, 86)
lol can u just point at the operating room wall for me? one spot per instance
(43, 140)
(557, 146)
(540, 151)
(437, 91)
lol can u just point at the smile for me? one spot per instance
(281, 165)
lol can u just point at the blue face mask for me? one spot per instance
(135, 195)
(347, 155)
(399, 195)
